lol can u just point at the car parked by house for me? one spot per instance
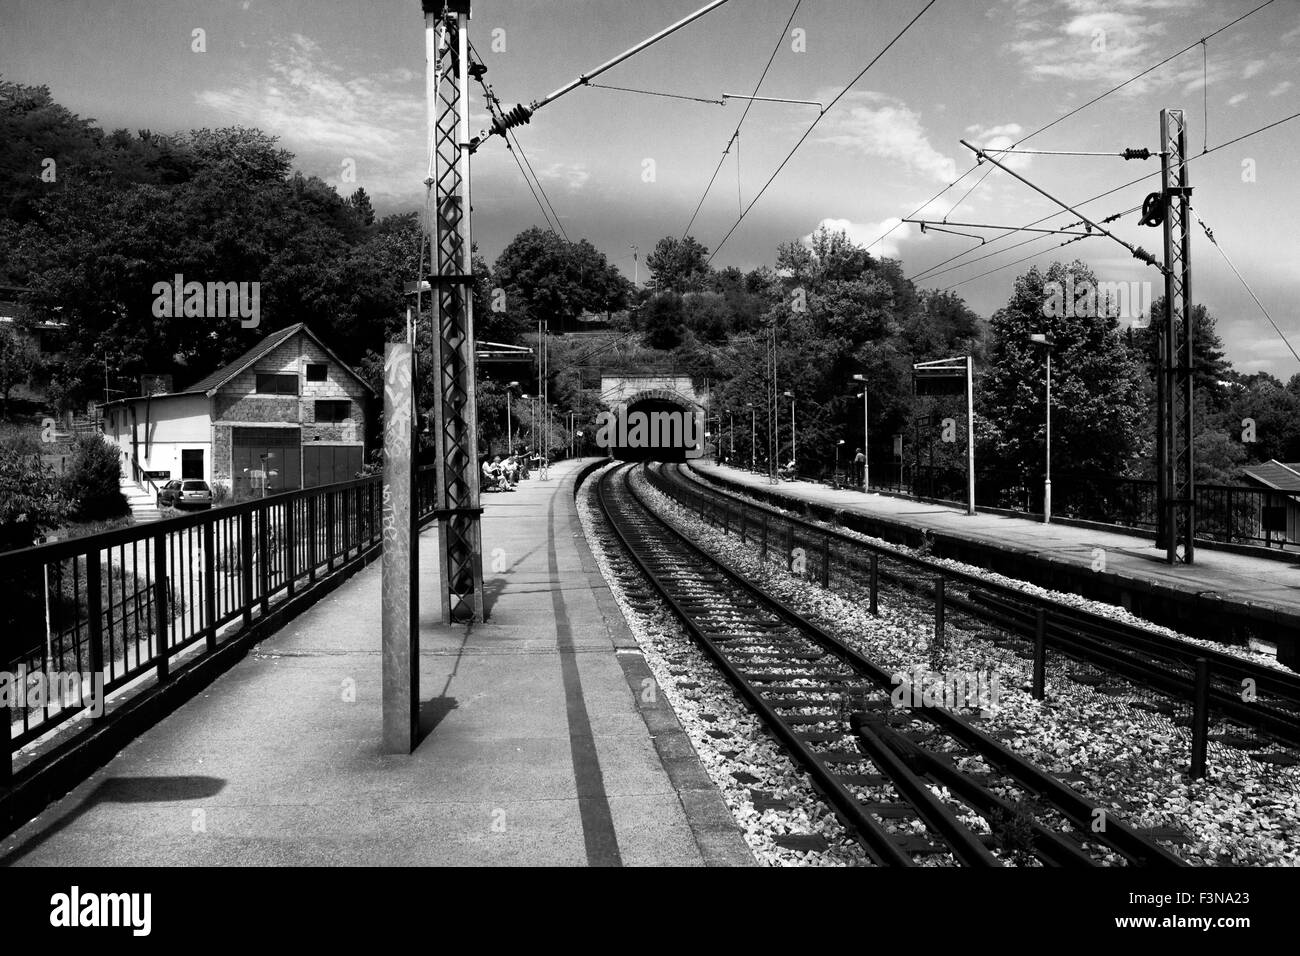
(185, 494)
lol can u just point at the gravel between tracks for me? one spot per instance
(1245, 812)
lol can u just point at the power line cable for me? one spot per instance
(1132, 182)
(808, 132)
(1215, 242)
(776, 49)
(1060, 119)
(540, 187)
(673, 96)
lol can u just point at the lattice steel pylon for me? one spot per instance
(1176, 484)
(455, 416)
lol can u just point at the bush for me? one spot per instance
(30, 500)
(92, 482)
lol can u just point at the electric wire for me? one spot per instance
(1060, 119)
(776, 49)
(1209, 234)
(808, 132)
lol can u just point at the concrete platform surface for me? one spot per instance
(1237, 577)
(536, 750)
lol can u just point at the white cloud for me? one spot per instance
(1253, 68)
(1280, 88)
(326, 114)
(1101, 41)
(880, 126)
(863, 232)
(1237, 98)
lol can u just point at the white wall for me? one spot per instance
(162, 428)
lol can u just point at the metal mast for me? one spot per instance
(1176, 482)
(455, 414)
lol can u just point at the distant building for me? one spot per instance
(1285, 506)
(286, 414)
(47, 336)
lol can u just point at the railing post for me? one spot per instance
(311, 538)
(1040, 653)
(162, 601)
(329, 530)
(826, 561)
(263, 559)
(789, 546)
(742, 525)
(210, 584)
(348, 509)
(6, 743)
(290, 543)
(246, 565)
(370, 513)
(939, 635)
(95, 629)
(763, 553)
(875, 571)
(1200, 718)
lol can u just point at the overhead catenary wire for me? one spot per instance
(540, 187)
(1062, 118)
(723, 158)
(495, 108)
(931, 273)
(671, 96)
(1209, 234)
(808, 132)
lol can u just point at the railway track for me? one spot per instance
(911, 783)
(1257, 698)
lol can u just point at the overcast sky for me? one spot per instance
(340, 81)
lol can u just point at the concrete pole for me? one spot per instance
(970, 437)
(400, 613)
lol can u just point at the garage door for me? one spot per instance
(326, 464)
(275, 450)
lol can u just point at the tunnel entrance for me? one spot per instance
(669, 430)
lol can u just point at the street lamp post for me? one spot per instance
(753, 437)
(835, 474)
(866, 437)
(794, 451)
(731, 434)
(510, 434)
(1039, 338)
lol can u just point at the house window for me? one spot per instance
(333, 411)
(270, 383)
(316, 371)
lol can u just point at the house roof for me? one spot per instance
(210, 383)
(1275, 474)
(258, 351)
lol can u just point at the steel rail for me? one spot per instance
(1118, 837)
(1075, 807)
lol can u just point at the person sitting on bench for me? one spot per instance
(787, 471)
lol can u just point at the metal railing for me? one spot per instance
(1227, 513)
(116, 606)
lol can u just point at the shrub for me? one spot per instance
(92, 482)
(30, 501)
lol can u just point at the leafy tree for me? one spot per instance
(678, 265)
(546, 278)
(30, 500)
(1097, 397)
(19, 361)
(360, 201)
(92, 482)
(663, 319)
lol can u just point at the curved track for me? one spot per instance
(1254, 696)
(908, 782)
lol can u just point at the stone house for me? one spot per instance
(286, 414)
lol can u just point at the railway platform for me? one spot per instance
(538, 745)
(1223, 595)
